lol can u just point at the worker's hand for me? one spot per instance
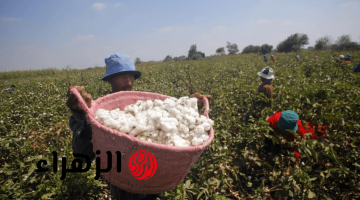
(73, 102)
(200, 98)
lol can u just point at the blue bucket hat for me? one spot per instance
(121, 64)
(288, 120)
(348, 56)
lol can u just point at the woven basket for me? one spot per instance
(173, 163)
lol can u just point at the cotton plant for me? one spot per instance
(173, 122)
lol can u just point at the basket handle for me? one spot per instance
(82, 102)
(207, 107)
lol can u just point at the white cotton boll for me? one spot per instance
(165, 114)
(178, 141)
(142, 138)
(191, 133)
(169, 102)
(190, 119)
(137, 130)
(206, 126)
(125, 129)
(210, 121)
(182, 100)
(174, 112)
(186, 111)
(158, 103)
(150, 127)
(180, 119)
(138, 103)
(132, 109)
(146, 133)
(102, 114)
(194, 114)
(199, 130)
(149, 140)
(187, 103)
(149, 104)
(201, 119)
(193, 103)
(184, 129)
(179, 108)
(110, 122)
(168, 127)
(196, 141)
(154, 134)
(204, 137)
(161, 134)
(192, 126)
(114, 113)
(169, 143)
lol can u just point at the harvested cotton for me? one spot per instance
(174, 122)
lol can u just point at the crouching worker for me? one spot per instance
(347, 59)
(266, 77)
(265, 58)
(280, 122)
(273, 58)
(357, 68)
(120, 74)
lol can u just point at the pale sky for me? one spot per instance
(39, 34)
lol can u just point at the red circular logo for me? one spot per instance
(142, 165)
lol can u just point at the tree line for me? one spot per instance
(293, 43)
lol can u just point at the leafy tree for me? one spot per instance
(180, 58)
(232, 48)
(168, 58)
(252, 49)
(137, 61)
(198, 56)
(192, 51)
(293, 43)
(194, 54)
(265, 48)
(220, 51)
(344, 43)
(323, 43)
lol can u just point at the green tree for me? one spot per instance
(248, 49)
(168, 58)
(137, 61)
(180, 58)
(220, 51)
(293, 43)
(344, 43)
(323, 43)
(232, 48)
(192, 51)
(265, 48)
(194, 54)
(198, 56)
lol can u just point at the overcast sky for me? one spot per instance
(38, 34)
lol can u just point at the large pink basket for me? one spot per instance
(173, 163)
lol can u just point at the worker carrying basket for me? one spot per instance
(164, 166)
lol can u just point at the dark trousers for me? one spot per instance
(120, 194)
